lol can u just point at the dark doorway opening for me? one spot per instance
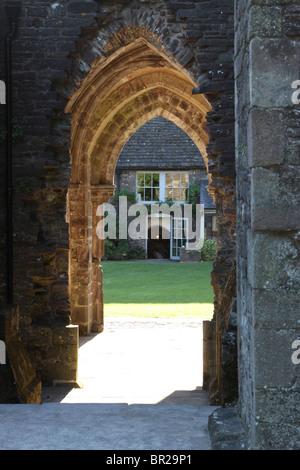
(158, 248)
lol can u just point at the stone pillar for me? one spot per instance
(99, 195)
(267, 64)
(79, 257)
(86, 250)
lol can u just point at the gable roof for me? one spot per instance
(160, 144)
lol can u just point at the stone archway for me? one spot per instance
(133, 85)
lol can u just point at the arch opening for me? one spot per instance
(120, 94)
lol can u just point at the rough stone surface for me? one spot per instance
(18, 380)
(275, 199)
(54, 352)
(267, 142)
(275, 63)
(230, 361)
(226, 430)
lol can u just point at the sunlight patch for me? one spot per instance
(193, 310)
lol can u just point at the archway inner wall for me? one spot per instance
(61, 42)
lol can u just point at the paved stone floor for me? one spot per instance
(139, 361)
(141, 390)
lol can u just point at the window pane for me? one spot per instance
(140, 179)
(177, 233)
(148, 194)
(176, 195)
(156, 194)
(184, 180)
(169, 194)
(141, 194)
(155, 180)
(148, 180)
(169, 180)
(176, 180)
(183, 195)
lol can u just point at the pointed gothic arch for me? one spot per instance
(121, 93)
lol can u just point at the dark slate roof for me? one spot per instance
(205, 198)
(160, 144)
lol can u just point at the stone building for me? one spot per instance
(81, 78)
(163, 157)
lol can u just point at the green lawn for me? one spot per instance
(146, 289)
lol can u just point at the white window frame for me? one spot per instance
(162, 185)
(183, 230)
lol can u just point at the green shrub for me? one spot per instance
(209, 250)
(118, 250)
(131, 196)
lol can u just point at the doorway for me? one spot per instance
(158, 240)
(129, 94)
(179, 229)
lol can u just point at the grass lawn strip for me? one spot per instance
(144, 289)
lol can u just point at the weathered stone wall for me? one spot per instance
(18, 380)
(55, 48)
(267, 162)
(128, 180)
(41, 174)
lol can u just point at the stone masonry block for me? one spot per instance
(276, 309)
(266, 21)
(278, 436)
(276, 406)
(82, 6)
(266, 137)
(69, 355)
(274, 66)
(61, 372)
(40, 336)
(273, 261)
(269, 2)
(273, 363)
(66, 335)
(275, 199)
